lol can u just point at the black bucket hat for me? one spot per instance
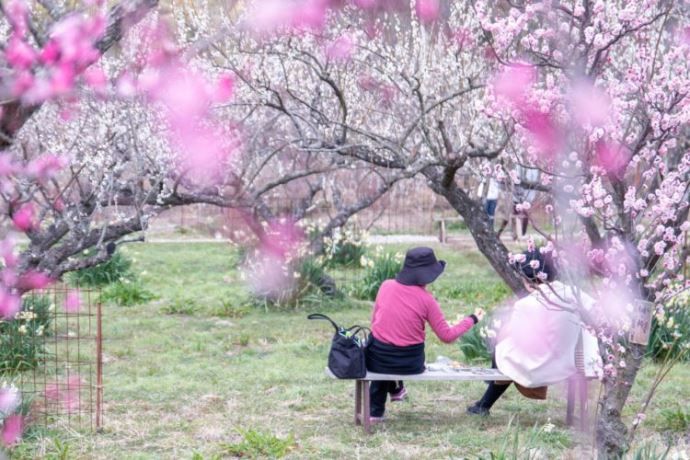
(420, 268)
(546, 266)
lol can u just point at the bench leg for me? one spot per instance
(366, 407)
(358, 402)
(571, 402)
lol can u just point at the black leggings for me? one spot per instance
(385, 358)
(493, 392)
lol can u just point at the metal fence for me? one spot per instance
(56, 358)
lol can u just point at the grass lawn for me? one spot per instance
(198, 385)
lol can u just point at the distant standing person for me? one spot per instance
(490, 191)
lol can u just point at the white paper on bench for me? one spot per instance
(464, 373)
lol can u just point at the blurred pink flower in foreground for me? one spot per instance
(427, 10)
(612, 157)
(224, 88)
(514, 83)
(365, 4)
(33, 279)
(73, 302)
(67, 393)
(12, 428)
(589, 105)
(341, 49)
(44, 166)
(269, 270)
(9, 304)
(9, 400)
(24, 218)
(269, 16)
(544, 135)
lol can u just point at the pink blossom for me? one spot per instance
(543, 132)
(17, 13)
(270, 16)
(612, 157)
(9, 304)
(12, 428)
(514, 82)
(589, 104)
(50, 52)
(24, 218)
(9, 400)
(659, 248)
(224, 88)
(34, 280)
(523, 207)
(365, 4)
(7, 166)
(62, 79)
(341, 49)
(95, 78)
(125, 85)
(73, 302)
(43, 167)
(534, 264)
(20, 54)
(8, 254)
(685, 35)
(463, 38)
(185, 94)
(22, 82)
(610, 371)
(427, 10)
(310, 14)
(66, 393)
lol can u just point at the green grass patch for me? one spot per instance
(178, 385)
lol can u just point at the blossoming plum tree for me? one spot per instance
(590, 94)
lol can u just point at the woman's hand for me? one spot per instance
(479, 313)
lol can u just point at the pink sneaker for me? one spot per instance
(400, 395)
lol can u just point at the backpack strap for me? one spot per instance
(326, 318)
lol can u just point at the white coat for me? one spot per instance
(539, 344)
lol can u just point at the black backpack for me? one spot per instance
(346, 359)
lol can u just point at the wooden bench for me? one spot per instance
(467, 374)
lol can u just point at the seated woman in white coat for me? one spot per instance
(537, 345)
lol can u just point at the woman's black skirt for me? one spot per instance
(385, 358)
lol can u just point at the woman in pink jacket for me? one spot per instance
(402, 309)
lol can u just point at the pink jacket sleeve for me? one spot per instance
(440, 326)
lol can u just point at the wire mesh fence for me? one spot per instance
(52, 352)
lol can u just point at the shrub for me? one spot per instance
(22, 341)
(382, 267)
(256, 444)
(473, 345)
(42, 308)
(670, 334)
(345, 248)
(312, 286)
(228, 309)
(126, 293)
(676, 419)
(116, 268)
(180, 307)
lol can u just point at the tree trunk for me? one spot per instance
(477, 222)
(612, 434)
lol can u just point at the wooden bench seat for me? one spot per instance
(465, 374)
